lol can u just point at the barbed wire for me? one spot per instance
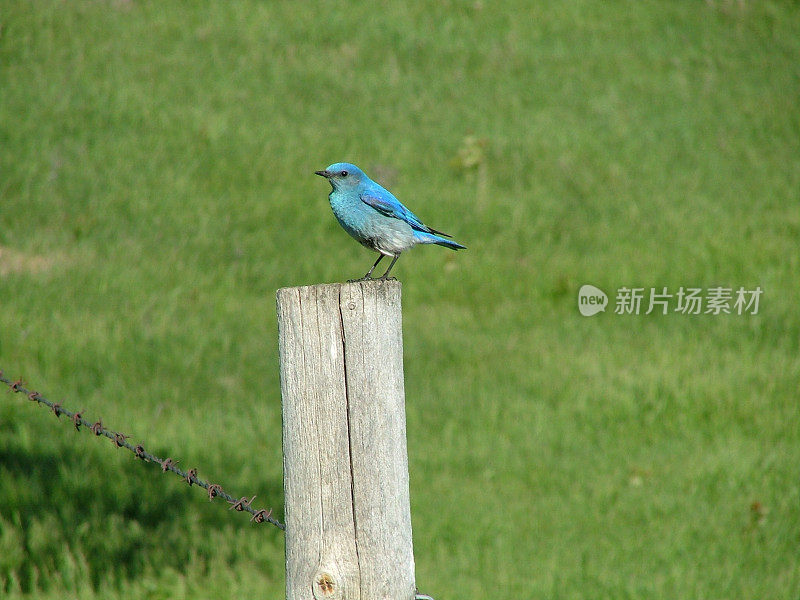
(167, 464)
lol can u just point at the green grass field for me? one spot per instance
(157, 188)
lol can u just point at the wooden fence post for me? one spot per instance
(348, 518)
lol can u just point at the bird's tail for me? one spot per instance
(429, 238)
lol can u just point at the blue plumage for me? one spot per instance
(374, 217)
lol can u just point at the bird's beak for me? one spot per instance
(325, 174)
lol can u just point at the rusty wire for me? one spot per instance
(167, 464)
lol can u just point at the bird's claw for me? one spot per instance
(365, 278)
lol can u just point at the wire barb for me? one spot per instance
(167, 464)
(191, 476)
(261, 515)
(241, 504)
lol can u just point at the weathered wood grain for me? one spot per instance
(348, 519)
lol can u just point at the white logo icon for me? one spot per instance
(591, 300)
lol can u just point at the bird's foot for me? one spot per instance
(367, 278)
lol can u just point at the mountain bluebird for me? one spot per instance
(374, 217)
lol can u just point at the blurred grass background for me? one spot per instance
(157, 187)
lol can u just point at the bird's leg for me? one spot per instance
(375, 264)
(369, 273)
(385, 276)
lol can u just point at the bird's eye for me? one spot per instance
(343, 173)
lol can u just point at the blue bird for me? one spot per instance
(374, 217)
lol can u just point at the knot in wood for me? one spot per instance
(326, 586)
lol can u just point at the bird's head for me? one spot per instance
(343, 176)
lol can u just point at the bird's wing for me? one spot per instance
(386, 204)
